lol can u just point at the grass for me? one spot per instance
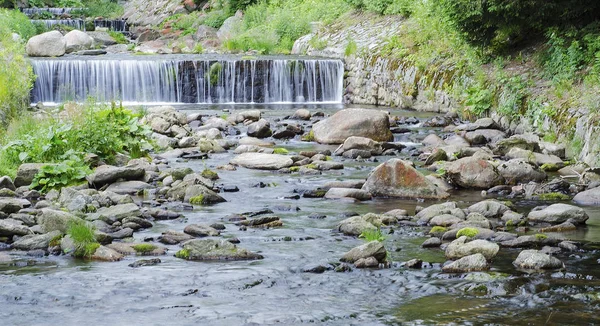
(351, 48)
(119, 37)
(198, 200)
(82, 234)
(144, 248)
(372, 235)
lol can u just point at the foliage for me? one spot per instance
(144, 248)
(198, 49)
(119, 37)
(215, 18)
(16, 22)
(198, 200)
(351, 48)
(214, 73)
(183, 254)
(84, 238)
(468, 232)
(281, 151)
(56, 176)
(372, 235)
(109, 9)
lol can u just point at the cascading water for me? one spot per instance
(54, 11)
(189, 80)
(118, 25)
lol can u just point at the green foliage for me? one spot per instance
(309, 137)
(16, 22)
(82, 234)
(437, 229)
(372, 235)
(119, 37)
(55, 241)
(56, 176)
(198, 49)
(198, 200)
(478, 100)
(281, 151)
(554, 196)
(540, 237)
(351, 48)
(468, 232)
(318, 43)
(209, 174)
(215, 18)
(108, 9)
(144, 248)
(183, 254)
(512, 96)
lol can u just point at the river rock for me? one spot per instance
(77, 40)
(302, 114)
(337, 193)
(536, 158)
(433, 242)
(436, 155)
(527, 142)
(362, 143)
(470, 172)
(536, 260)
(106, 254)
(52, 220)
(397, 178)
(7, 183)
(213, 249)
(353, 122)
(50, 44)
(425, 215)
(517, 171)
(355, 226)
(471, 263)
(371, 249)
(460, 248)
(260, 129)
(489, 208)
(201, 230)
(484, 136)
(26, 173)
(261, 161)
(13, 205)
(369, 262)
(107, 174)
(145, 262)
(116, 213)
(445, 220)
(589, 197)
(482, 123)
(129, 187)
(355, 184)
(35, 242)
(10, 227)
(482, 233)
(173, 237)
(102, 38)
(559, 213)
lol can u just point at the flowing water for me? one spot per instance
(117, 25)
(60, 290)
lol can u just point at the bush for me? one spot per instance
(84, 238)
(108, 9)
(56, 176)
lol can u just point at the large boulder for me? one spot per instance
(10, 227)
(589, 197)
(355, 225)
(213, 249)
(77, 40)
(559, 213)
(34, 242)
(26, 172)
(537, 260)
(107, 174)
(489, 208)
(227, 30)
(397, 178)
(371, 249)
(50, 44)
(260, 129)
(337, 193)
(53, 220)
(261, 161)
(518, 171)
(353, 122)
(12, 205)
(460, 248)
(472, 263)
(471, 172)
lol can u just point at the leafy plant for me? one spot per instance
(56, 176)
(351, 48)
(372, 235)
(119, 37)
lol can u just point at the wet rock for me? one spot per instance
(10, 227)
(77, 40)
(173, 237)
(483, 234)
(355, 226)
(363, 144)
(327, 165)
(472, 263)
(489, 208)
(470, 172)
(337, 193)
(211, 249)
(568, 246)
(369, 262)
(106, 254)
(536, 158)
(460, 248)
(517, 171)
(260, 129)
(13, 205)
(397, 178)
(512, 218)
(433, 140)
(50, 44)
(130, 249)
(121, 234)
(482, 123)
(34, 242)
(302, 114)
(589, 197)
(116, 213)
(357, 153)
(262, 161)
(201, 195)
(107, 174)
(536, 260)
(355, 184)
(525, 141)
(371, 249)
(504, 236)
(145, 262)
(524, 241)
(7, 183)
(51, 220)
(562, 227)
(318, 269)
(129, 187)
(201, 230)
(367, 123)
(559, 213)
(398, 214)
(426, 214)
(263, 222)
(414, 263)
(432, 242)
(445, 220)
(484, 136)
(438, 154)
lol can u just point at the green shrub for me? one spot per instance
(56, 176)
(119, 37)
(215, 18)
(16, 22)
(351, 48)
(108, 9)
(82, 234)
(372, 235)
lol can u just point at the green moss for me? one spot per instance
(540, 237)
(183, 254)
(437, 229)
(55, 242)
(209, 174)
(294, 169)
(309, 137)
(144, 248)
(549, 167)
(198, 200)
(312, 166)
(214, 73)
(468, 232)
(554, 196)
(281, 151)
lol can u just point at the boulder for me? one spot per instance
(35, 242)
(201, 230)
(302, 114)
(536, 260)
(226, 30)
(205, 32)
(368, 262)
(129, 187)
(362, 143)
(470, 172)
(472, 263)
(107, 174)
(261, 161)
(527, 142)
(559, 213)
(106, 254)
(116, 213)
(173, 237)
(489, 208)
(445, 220)
(50, 44)
(54, 220)
(355, 226)
(200, 195)
(589, 197)
(13, 205)
(425, 215)
(518, 171)
(397, 178)
(260, 129)
(371, 249)
(77, 40)
(484, 136)
(10, 227)
(213, 249)
(102, 38)
(26, 173)
(337, 193)
(7, 183)
(460, 248)
(353, 122)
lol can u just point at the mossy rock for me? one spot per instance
(214, 249)
(468, 232)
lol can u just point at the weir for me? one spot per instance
(188, 79)
(117, 25)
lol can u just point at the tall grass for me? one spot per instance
(84, 238)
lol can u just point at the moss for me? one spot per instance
(320, 193)
(468, 232)
(437, 229)
(309, 137)
(55, 242)
(312, 166)
(294, 169)
(183, 254)
(197, 200)
(510, 223)
(549, 167)
(144, 248)
(540, 237)
(281, 151)
(209, 174)
(554, 196)
(214, 73)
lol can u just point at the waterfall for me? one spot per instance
(143, 80)
(117, 25)
(54, 11)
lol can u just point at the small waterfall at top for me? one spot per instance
(191, 80)
(54, 11)
(117, 25)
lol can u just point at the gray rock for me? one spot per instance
(173, 237)
(302, 114)
(536, 260)
(35, 242)
(368, 262)
(106, 254)
(357, 153)
(460, 248)
(102, 38)
(7, 183)
(262, 161)
(355, 184)
(260, 129)
(397, 178)
(445, 220)
(473, 173)
(145, 262)
(26, 173)
(484, 136)
(212, 249)
(208, 196)
(353, 122)
(116, 213)
(226, 31)
(489, 208)
(13, 205)
(205, 33)
(50, 44)
(77, 40)
(589, 197)
(432, 242)
(201, 230)
(517, 171)
(426, 214)
(73, 200)
(55, 220)
(362, 143)
(472, 263)
(482, 234)
(436, 155)
(337, 193)
(559, 213)
(107, 174)
(129, 187)
(355, 226)
(10, 227)
(371, 249)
